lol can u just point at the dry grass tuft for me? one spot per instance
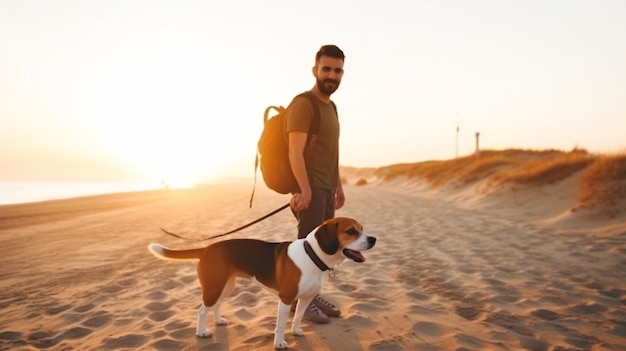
(545, 170)
(604, 183)
(361, 182)
(603, 176)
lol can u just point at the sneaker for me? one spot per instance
(315, 315)
(326, 307)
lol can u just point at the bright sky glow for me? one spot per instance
(175, 90)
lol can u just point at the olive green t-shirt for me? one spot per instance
(323, 164)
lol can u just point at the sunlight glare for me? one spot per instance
(162, 123)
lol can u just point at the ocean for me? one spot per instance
(24, 192)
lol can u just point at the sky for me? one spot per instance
(140, 90)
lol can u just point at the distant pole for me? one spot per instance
(457, 142)
(477, 147)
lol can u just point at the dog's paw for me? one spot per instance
(203, 333)
(280, 344)
(297, 331)
(221, 321)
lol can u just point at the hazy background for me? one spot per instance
(175, 90)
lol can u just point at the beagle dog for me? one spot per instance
(294, 270)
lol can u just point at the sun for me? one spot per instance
(174, 156)
(172, 124)
(174, 151)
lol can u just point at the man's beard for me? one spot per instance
(327, 86)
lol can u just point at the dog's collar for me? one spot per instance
(316, 259)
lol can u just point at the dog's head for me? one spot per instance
(345, 235)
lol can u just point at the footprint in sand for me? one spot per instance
(54, 310)
(158, 334)
(384, 345)
(112, 289)
(122, 322)
(97, 321)
(45, 340)
(161, 315)
(245, 299)
(12, 338)
(127, 282)
(84, 308)
(588, 309)
(257, 341)
(169, 284)
(415, 295)
(359, 320)
(75, 333)
(159, 306)
(243, 314)
(268, 323)
(168, 344)
(468, 312)
(156, 295)
(613, 293)
(39, 335)
(429, 329)
(247, 286)
(188, 279)
(347, 287)
(42, 343)
(10, 335)
(160, 310)
(366, 307)
(130, 341)
(545, 314)
(175, 325)
(183, 334)
(421, 310)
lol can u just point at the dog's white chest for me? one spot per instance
(312, 278)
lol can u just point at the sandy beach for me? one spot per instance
(451, 271)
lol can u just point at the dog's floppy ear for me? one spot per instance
(326, 236)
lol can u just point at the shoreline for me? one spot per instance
(39, 212)
(22, 192)
(42, 191)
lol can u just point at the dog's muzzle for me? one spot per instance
(357, 256)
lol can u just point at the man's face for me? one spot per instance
(328, 72)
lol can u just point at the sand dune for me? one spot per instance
(451, 271)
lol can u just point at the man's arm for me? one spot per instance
(340, 197)
(297, 143)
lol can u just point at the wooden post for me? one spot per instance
(477, 147)
(457, 142)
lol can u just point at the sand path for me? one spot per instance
(76, 274)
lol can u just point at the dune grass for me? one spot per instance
(602, 176)
(604, 183)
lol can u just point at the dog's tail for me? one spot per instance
(163, 252)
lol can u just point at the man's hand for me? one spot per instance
(300, 201)
(340, 198)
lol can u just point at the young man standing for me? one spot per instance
(320, 189)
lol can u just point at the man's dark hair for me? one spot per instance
(330, 50)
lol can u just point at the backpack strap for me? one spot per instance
(335, 107)
(314, 127)
(315, 124)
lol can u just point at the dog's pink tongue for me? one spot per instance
(356, 256)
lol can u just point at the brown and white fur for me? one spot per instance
(284, 267)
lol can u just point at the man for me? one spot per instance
(317, 174)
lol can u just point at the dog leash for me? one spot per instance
(229, 232)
